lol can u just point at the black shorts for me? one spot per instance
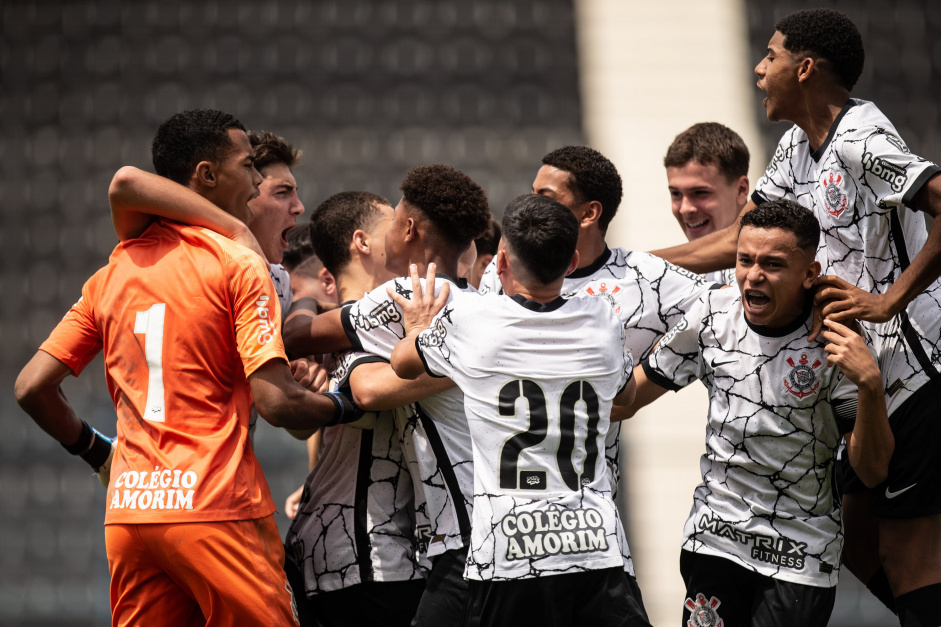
(911, 489)
(719, 589)
(592, 597)
(445, 594)
(847, 481)
(376, 603)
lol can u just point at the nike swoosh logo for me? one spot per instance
(891, 495)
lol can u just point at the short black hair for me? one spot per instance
(710, 143)
(788, 216)
(542, 233)
(455, 205)
(299, 247)
(488, 242)
(189, 137)
(270, 149)
(828, 36)
(591, 177)
(334, 221)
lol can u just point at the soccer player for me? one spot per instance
(844, 159)
(707, 174)
(763, 541)
(189, 327)
(354, 536)
(441, 212)
(546, 540)
(647, 293)
(309, 277)
(486, 246)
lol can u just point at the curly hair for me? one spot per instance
(592, 177)
(788, 216)
(189, 137)
(455, 205)
(710, 143)
(829, 37)
(334, 221)
(543, 234)
(270, 149)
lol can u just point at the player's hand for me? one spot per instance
(847, 350)
(841, 300)
(104, 471)
(420, 310)
(310, 374)
(293, 502)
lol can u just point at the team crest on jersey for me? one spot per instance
(836, 197)
(606, 291)
(702, 613)
(802, 380)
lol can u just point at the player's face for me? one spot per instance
(773, 274)
(554, 183)
(237, 179)
(303, 286)
(777, 77)
(396, 248)
(275, 211)
(703, 199)
(377, 241)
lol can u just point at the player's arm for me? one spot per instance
(709, 253)
(646, 392)
(38, 391)
(283, 402)
(307, 333)
(376, 387)
(848, 302)
(417, 314)
(870, 444)
(138, 198)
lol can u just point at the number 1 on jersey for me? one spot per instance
(150, 324)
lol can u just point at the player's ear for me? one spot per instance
(328, 282)
(806, 68)
(813, 271)
(502, 263)
(588, 213)
(360, 241)
(573, 265)
(741, 192)
(205, 174)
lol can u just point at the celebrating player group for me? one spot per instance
(463, 409)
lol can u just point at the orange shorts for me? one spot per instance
(212, 573)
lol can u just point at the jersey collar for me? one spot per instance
(538, 307)
(595, 265)
(799, 322)
(815, 155)
(461, 283)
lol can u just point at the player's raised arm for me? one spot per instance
(708, 253)
(283, 402)
(376, 387)
(870, 444)
(307, 333)
(137, 198)
(417, 315)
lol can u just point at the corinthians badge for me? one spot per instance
(802, 381)
(836, 199)
(606, 290)
(702, 613)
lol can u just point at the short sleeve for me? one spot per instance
(435, 344)
(777, 181)
(76, 339)
(256, 312)
(677, 360)
(374, 323)
(628, 369)
(490, 281)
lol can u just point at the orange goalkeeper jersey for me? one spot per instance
(184, 317)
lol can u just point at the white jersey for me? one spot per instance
(356, 520)
(858, 184)
(649, 294)
(721, 277)
(766, 500)
(282, 286)
(538, 380)
(435, 437)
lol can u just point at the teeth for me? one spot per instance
(698, 224)
(756, 299)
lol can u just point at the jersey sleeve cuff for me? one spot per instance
(658, 378)
(350, 329)
(366, 359)
(757, 198)
(421, 355)
(919, 182)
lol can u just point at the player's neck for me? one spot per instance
(819, 113)
(591, 245)
(538, 292)
(358, 278)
